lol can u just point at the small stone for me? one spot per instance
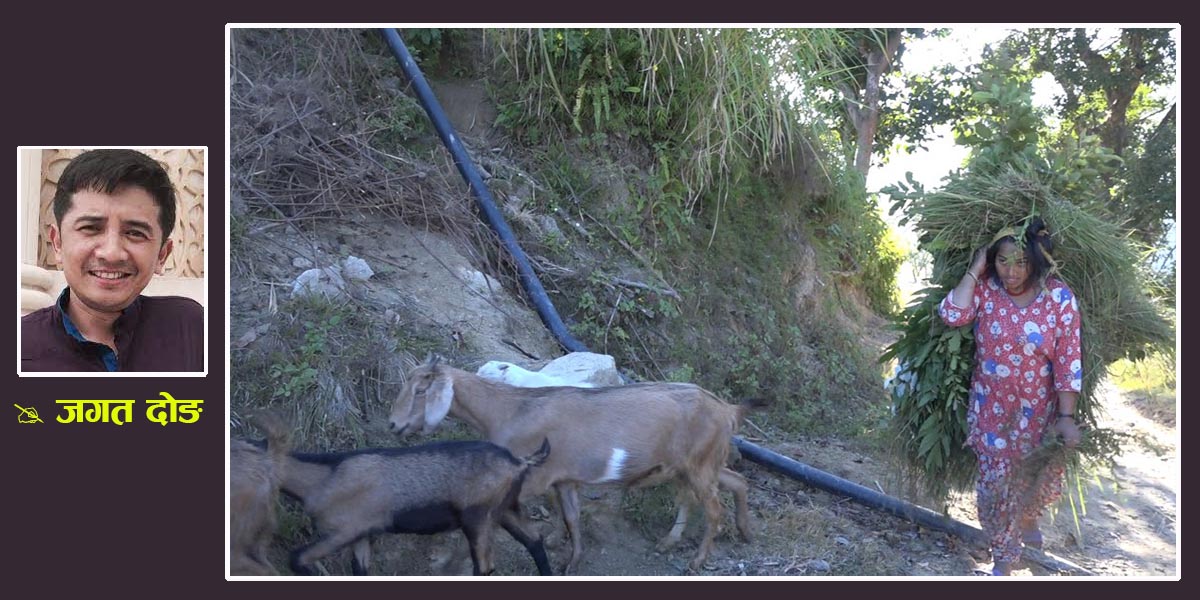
(818, 565)
(841, 540)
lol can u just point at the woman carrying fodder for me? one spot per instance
(1091, 254)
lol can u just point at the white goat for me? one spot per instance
(634, 435)
(513, 375)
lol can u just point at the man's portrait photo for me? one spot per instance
(112, 265)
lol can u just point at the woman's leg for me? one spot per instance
(999, 510)
(1039, 490)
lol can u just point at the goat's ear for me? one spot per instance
(437, 401)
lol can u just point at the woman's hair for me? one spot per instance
(1038, 246)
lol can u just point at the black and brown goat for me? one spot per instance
(431, 488)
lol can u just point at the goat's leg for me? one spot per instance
(265, 565)
(304, 557)
(258, 555)
(682, 501)
(568, 499)
(706, 493)
(734, 482)
(362, 556)
(477, 526)
(244, 564)
(456, 555)
(262, 539)
(519, 528)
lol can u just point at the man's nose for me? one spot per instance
(111, 247)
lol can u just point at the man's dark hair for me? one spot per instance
(106, 171)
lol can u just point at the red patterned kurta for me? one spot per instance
(1023, 358)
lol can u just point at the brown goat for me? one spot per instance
(254, 479)
(634, 435)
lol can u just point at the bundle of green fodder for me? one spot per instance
(1094, 257)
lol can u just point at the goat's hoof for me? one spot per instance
(665, 544)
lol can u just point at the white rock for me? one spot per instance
(596, 369)
(307, 282)
(356, 268)
(327, 281)
(818, 565)
(478, 281)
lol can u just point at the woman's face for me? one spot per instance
(1013, 268)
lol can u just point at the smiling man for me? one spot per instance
(114, 211)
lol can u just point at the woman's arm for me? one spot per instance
(1066, 425)
(959, 308)
(1067, 364)
(965, 290)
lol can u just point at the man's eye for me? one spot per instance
(137, 234)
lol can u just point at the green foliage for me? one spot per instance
(1003, 124)
(1153, 373)
(849, 226)
(1077, 167)
(433, 49)
(930, 416)
(734, 327)
(1108, 116)
(657, 85)
(297, 374)
(1099, 70)
(322, 363)
(928, 99)
(398, 123)
(1149, 195)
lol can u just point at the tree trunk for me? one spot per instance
(879, 60)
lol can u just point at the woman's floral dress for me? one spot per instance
(1023, 358)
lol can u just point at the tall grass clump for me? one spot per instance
(717, 98)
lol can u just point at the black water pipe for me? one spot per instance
(861, 494)
(550, 318)
(483, 197)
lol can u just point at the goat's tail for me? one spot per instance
(279, 436)
(539, 455)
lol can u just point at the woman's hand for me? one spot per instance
(979, 262)
(1068, 431)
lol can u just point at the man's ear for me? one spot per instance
(56, 243)
(163, 253)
